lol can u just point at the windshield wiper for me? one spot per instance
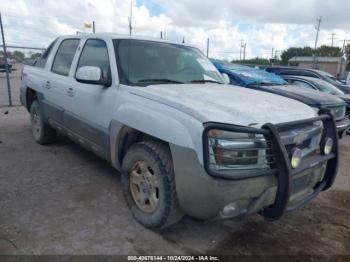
(205, 81)
(160, 80)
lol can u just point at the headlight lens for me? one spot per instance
(316, 109)
(233, 150)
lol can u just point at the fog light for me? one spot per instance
(328, 146)
(296, 158)
(230, 210)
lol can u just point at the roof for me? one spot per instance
(120, 36)
(324, 59)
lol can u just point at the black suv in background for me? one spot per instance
(261, 80)
(285, 70)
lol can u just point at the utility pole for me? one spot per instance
(93, 27)
(130, 19)
(344, 43)
(319, 20)
(240, 51)
(244, 46)
(208, 47)
(6, 64)
(332, 38)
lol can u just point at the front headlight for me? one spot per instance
(233, 150)
(316, 109)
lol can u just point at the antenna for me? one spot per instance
(130, 19)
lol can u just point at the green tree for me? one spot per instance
(253, 61)
(295, 51)
(35, 55)
(325, 50)
(18, 55)
(9, 54)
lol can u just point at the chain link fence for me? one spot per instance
(9, 93)
(14, 76)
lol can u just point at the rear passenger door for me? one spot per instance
(58, 84)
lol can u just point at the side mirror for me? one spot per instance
(226, 78)
(91, 75)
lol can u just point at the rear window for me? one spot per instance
(64, 56)
(41, 62)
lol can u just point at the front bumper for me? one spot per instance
(204, 196)
(343, 125)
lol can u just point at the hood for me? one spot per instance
(227, 104)
(345, 98)
(310, 97)
(344, 88)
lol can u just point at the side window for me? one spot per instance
(64, 56)
(306, 73)
(95, 53)
(289, 72)
(41, 62)
(302, 84)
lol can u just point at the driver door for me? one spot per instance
(92, 107)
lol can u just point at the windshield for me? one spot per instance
(144, 63)
(331, 79)
(327, 87)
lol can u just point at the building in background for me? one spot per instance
(333, 65)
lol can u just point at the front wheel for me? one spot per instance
(149, 185)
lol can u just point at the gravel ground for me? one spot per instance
(61, 199)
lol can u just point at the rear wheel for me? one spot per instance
(149, 185)
(42, 133)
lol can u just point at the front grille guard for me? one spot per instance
(284, 171)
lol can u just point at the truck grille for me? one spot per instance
(338, 112)
(305, 137)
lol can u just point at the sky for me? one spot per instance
(262, 25)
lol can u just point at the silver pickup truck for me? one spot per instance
(183, 140)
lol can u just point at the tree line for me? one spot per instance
(291, 52)
(20, 56)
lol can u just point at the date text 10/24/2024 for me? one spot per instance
(173, 258)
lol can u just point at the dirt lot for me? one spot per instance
(61, 199)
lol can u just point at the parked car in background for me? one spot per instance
(185, 142)
(347, 81)
(319, 85)
(283, 70)
(3, 65)
(264, 81)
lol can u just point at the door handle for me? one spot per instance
(48, 85)
(70, 91)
